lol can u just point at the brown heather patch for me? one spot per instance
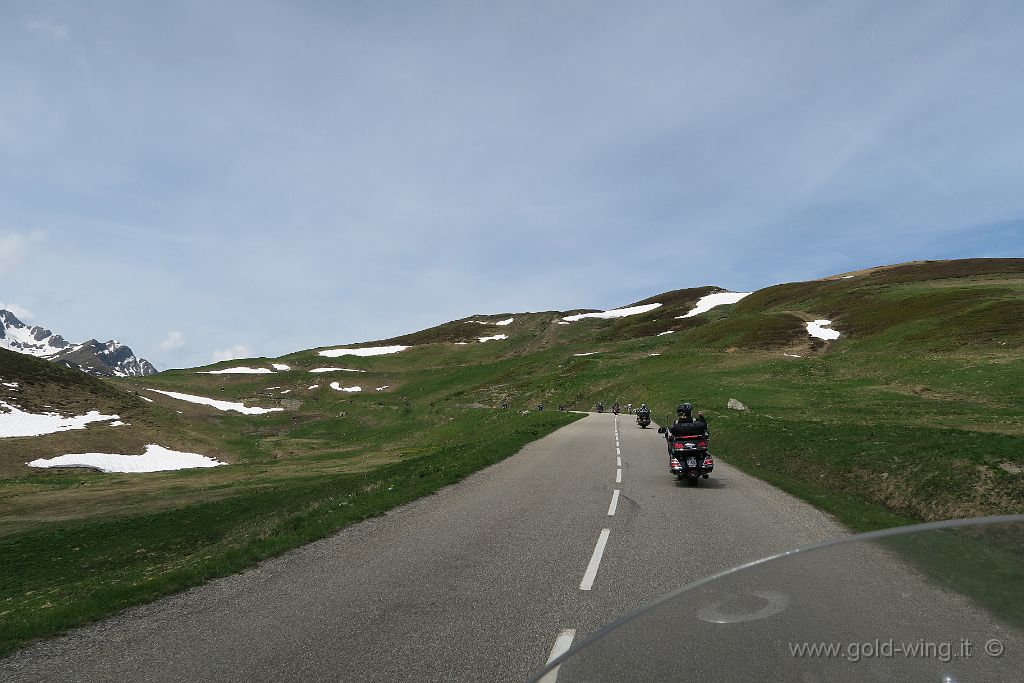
(992, 493)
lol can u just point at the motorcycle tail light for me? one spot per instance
(709, 461)
(702, 444)
(674, 463)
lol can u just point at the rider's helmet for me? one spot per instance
(684, 409)
(643, 406)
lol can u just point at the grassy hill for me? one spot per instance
(912, 414)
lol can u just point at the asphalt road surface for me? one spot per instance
(482, 581)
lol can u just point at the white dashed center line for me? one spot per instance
(595, 561)
(562, 643)
(615, 503)
(618, 476)
(618, 462)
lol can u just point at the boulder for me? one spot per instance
(735, 405)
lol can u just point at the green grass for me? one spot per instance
(53, 579)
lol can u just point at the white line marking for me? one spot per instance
(618, 476)
(595, 561)
(562, 643)
(618, 451)
(615, 503)
(618, 462)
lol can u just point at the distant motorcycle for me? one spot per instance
(689, 459)
(644, 420)
(615, 408)
(600, 407)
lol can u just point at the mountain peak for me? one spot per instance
(111, 358)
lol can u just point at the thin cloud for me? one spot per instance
(908, 163)
(57, 32)
(231, 353)
(14, 247)
(175, 340)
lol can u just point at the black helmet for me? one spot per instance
(684, 409)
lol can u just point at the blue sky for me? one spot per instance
(206, 178)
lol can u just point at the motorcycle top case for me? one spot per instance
(689, 429)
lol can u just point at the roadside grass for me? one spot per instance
(56, 578)
(986, 564)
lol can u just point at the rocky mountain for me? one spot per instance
(96, 358)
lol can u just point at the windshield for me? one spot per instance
(935, 602)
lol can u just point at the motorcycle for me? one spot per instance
(689, 458)
(615, 409)
(644, 420)
(600, 407)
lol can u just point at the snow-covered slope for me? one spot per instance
(35, 341)
(94, 357)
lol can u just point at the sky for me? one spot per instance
(207, 180)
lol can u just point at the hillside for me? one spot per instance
(912, 413)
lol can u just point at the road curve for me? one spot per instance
(475, 582)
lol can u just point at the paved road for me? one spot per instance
(476, 582)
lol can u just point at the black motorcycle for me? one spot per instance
(600, 407)
(689, 458)
(644, 420)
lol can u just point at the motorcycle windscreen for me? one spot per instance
(936, 602)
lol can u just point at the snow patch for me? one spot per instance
(817, 329)
(16, 422)
(10, 385)
(147, 400)
(616, 313)
(219, 405)
(507, 321)
(154, 459)
(365, 351)
(315, 386)
(495, 337)
(337, 387)
(662, 334)
(588, 353)
(793, 355)
(280, 366)
(386, 386)
(238, 371)
(117, 423)
(706, 303)
(335, 370)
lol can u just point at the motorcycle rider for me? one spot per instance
(600, 407)
(683, 425)
(643, 412)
